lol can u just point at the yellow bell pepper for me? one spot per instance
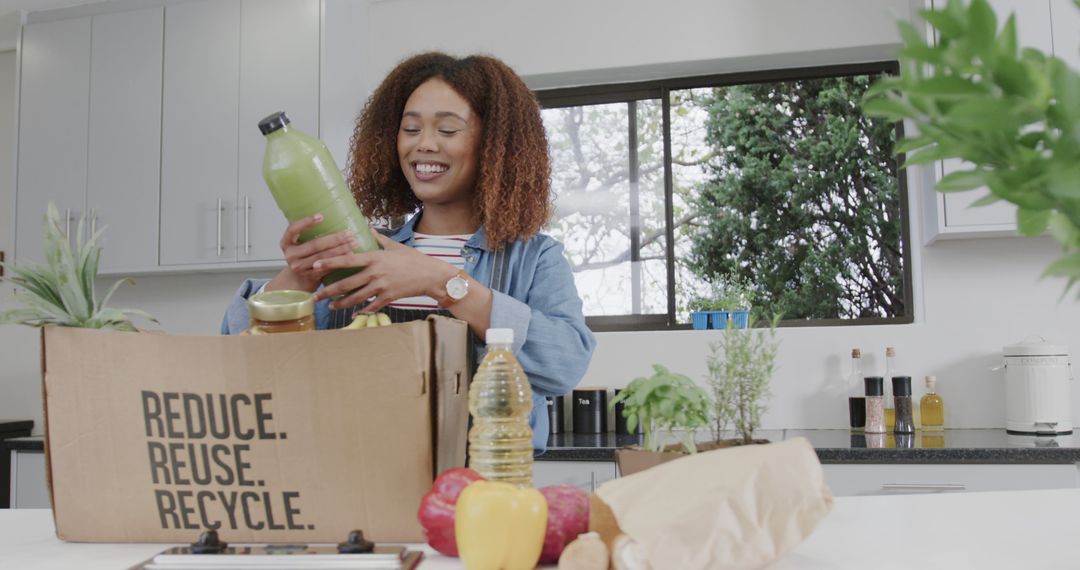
(499, 526)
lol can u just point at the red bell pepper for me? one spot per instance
(436, 512)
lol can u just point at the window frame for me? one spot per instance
(661, 89)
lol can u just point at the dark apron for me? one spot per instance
(500, 264)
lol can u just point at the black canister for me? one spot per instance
(590, 410)
(620, 420)
(556, 414)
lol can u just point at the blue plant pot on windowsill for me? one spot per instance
(718, 319)
(700, 320)
(740, 319)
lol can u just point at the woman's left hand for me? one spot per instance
(389, 274)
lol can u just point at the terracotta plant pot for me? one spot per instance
(633, 459)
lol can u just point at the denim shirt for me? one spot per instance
(539, 302)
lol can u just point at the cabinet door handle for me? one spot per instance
(220, 249)
(67, 223)
(592, 482)
(93, 223)
(247, 225)
(923, 487)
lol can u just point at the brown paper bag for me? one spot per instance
(297, 437)
(732, 508)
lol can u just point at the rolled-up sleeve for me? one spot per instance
(551, 340)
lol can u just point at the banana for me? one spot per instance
(369, 320)
(359, 321)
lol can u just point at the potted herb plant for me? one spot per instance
(665, 401)
(1013, 114)
(740, 367)
(728, 304)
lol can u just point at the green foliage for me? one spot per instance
(726, 295)
(61, 292)
(1013, 114)
(665, 400)
(740, 366)
(802, 200)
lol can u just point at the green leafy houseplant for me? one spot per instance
(61, 292)
(665, 400)
(740, 366)
(727, 295)
(1013, 114)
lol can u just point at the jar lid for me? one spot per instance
(1035, 346)
(283, 305)
(875, 385)
(901, 385)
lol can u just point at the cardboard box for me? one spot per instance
(295, 437)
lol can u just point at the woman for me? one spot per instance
(460, 143)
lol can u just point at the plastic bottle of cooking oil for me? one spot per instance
(305, 181)
(500, 399)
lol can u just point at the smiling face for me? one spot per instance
(438, 144)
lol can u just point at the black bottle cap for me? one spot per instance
(208, 543)
(901, 385)
(875, 385)
(273, 122)
(355, 544)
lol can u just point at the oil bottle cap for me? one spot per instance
(273, 122)
(931, 381)
(500, 336)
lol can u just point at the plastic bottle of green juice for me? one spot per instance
(305, 181)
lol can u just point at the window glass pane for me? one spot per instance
(787, 189)
(609, 197)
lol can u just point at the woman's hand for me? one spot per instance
(300, 258)
(389, 274)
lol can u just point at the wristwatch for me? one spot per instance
(456, 289)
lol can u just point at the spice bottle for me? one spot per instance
(905, 421)
(932, 407)
(875, 404)
(281, 311)
(890, 370)
(856, 401)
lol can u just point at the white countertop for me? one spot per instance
(1029, 530)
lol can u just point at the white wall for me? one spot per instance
(977, 295)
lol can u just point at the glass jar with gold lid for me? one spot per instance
(281, 311)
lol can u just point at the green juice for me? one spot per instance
(305, 181)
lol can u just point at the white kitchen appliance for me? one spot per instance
(1038, 388)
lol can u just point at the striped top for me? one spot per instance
(446, 248)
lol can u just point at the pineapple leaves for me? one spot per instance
(62, 291)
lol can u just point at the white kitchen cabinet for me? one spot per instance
(586, 475)
(859, 479)
(53, 107)
(227, 65)
(1065, 19)
(29, 489)
(124, 145)
(279, 71)
(199, 122)
(90, 132)
(950, 215)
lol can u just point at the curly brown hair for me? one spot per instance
(513, 187)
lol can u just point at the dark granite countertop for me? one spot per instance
(842, 446)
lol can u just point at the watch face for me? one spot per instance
(457, 288)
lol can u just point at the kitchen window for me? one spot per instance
(774, 182)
